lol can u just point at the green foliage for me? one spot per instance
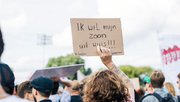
(65, 60)
(132, 71)
(69, 60)
(85, 71)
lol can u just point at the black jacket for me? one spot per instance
(46, 100)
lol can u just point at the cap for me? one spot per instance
(6, 78)
(42, 84)
(147, 79)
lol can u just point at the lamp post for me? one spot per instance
(44, 40)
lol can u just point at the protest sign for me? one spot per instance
(87, 34)
(60, 71)
(170, 54)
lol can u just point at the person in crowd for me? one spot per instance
(1, 44)
(108, 85)
(82, 83)
(178, 82)
(75, 93)
(148, 87)
(54, 97)
(106, 58)
(24, 91)
(157, 81)
(66, 93)
(170, 88)
(6, 79)
(105, 86)
(15, 90)
(140, 92)
(41, 89)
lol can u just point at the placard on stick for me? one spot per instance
(87, 34)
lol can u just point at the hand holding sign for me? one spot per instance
(87, 34)
(105, 55)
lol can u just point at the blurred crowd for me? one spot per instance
(110, 85)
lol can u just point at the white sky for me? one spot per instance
(23, 20)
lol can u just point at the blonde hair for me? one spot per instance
(169, 86)
(105, 86)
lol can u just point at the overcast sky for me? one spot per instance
(142, 20)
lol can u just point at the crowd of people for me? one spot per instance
(110, 85)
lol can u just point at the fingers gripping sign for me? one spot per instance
(105, 55)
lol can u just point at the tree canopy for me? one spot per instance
(69, 59)
(132, 71)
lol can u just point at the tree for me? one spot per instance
(69, 59)
(133, 72)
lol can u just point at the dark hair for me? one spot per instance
(178, 76)
(1, 43)
(56, 85)
(7, 78)
(24, 88)
(44, 94)
(157, 79)
(140, 92)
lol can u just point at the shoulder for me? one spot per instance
(76, 98)
(176, 98)
(3, 64)
(14, 98)
(150, 98)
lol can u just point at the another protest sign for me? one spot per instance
(60, 71)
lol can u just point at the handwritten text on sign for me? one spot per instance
(89, 33)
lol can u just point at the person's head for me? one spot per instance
(75, 85)
(169, 86)
(42, 88)
(1, 43)
(24, 90)
(6, 79)
(105, 86)
(157, 79)
(56, 85)
(178, 82)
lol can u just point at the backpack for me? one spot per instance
(168, 98)
(178, 97)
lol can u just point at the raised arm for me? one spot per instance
(106, 57)
(66, 94)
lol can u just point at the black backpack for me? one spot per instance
(168, 98)
(178, 97)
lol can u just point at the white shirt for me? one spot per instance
(13, 99)
(54, 98)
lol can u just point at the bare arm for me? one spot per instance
(106, 57)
